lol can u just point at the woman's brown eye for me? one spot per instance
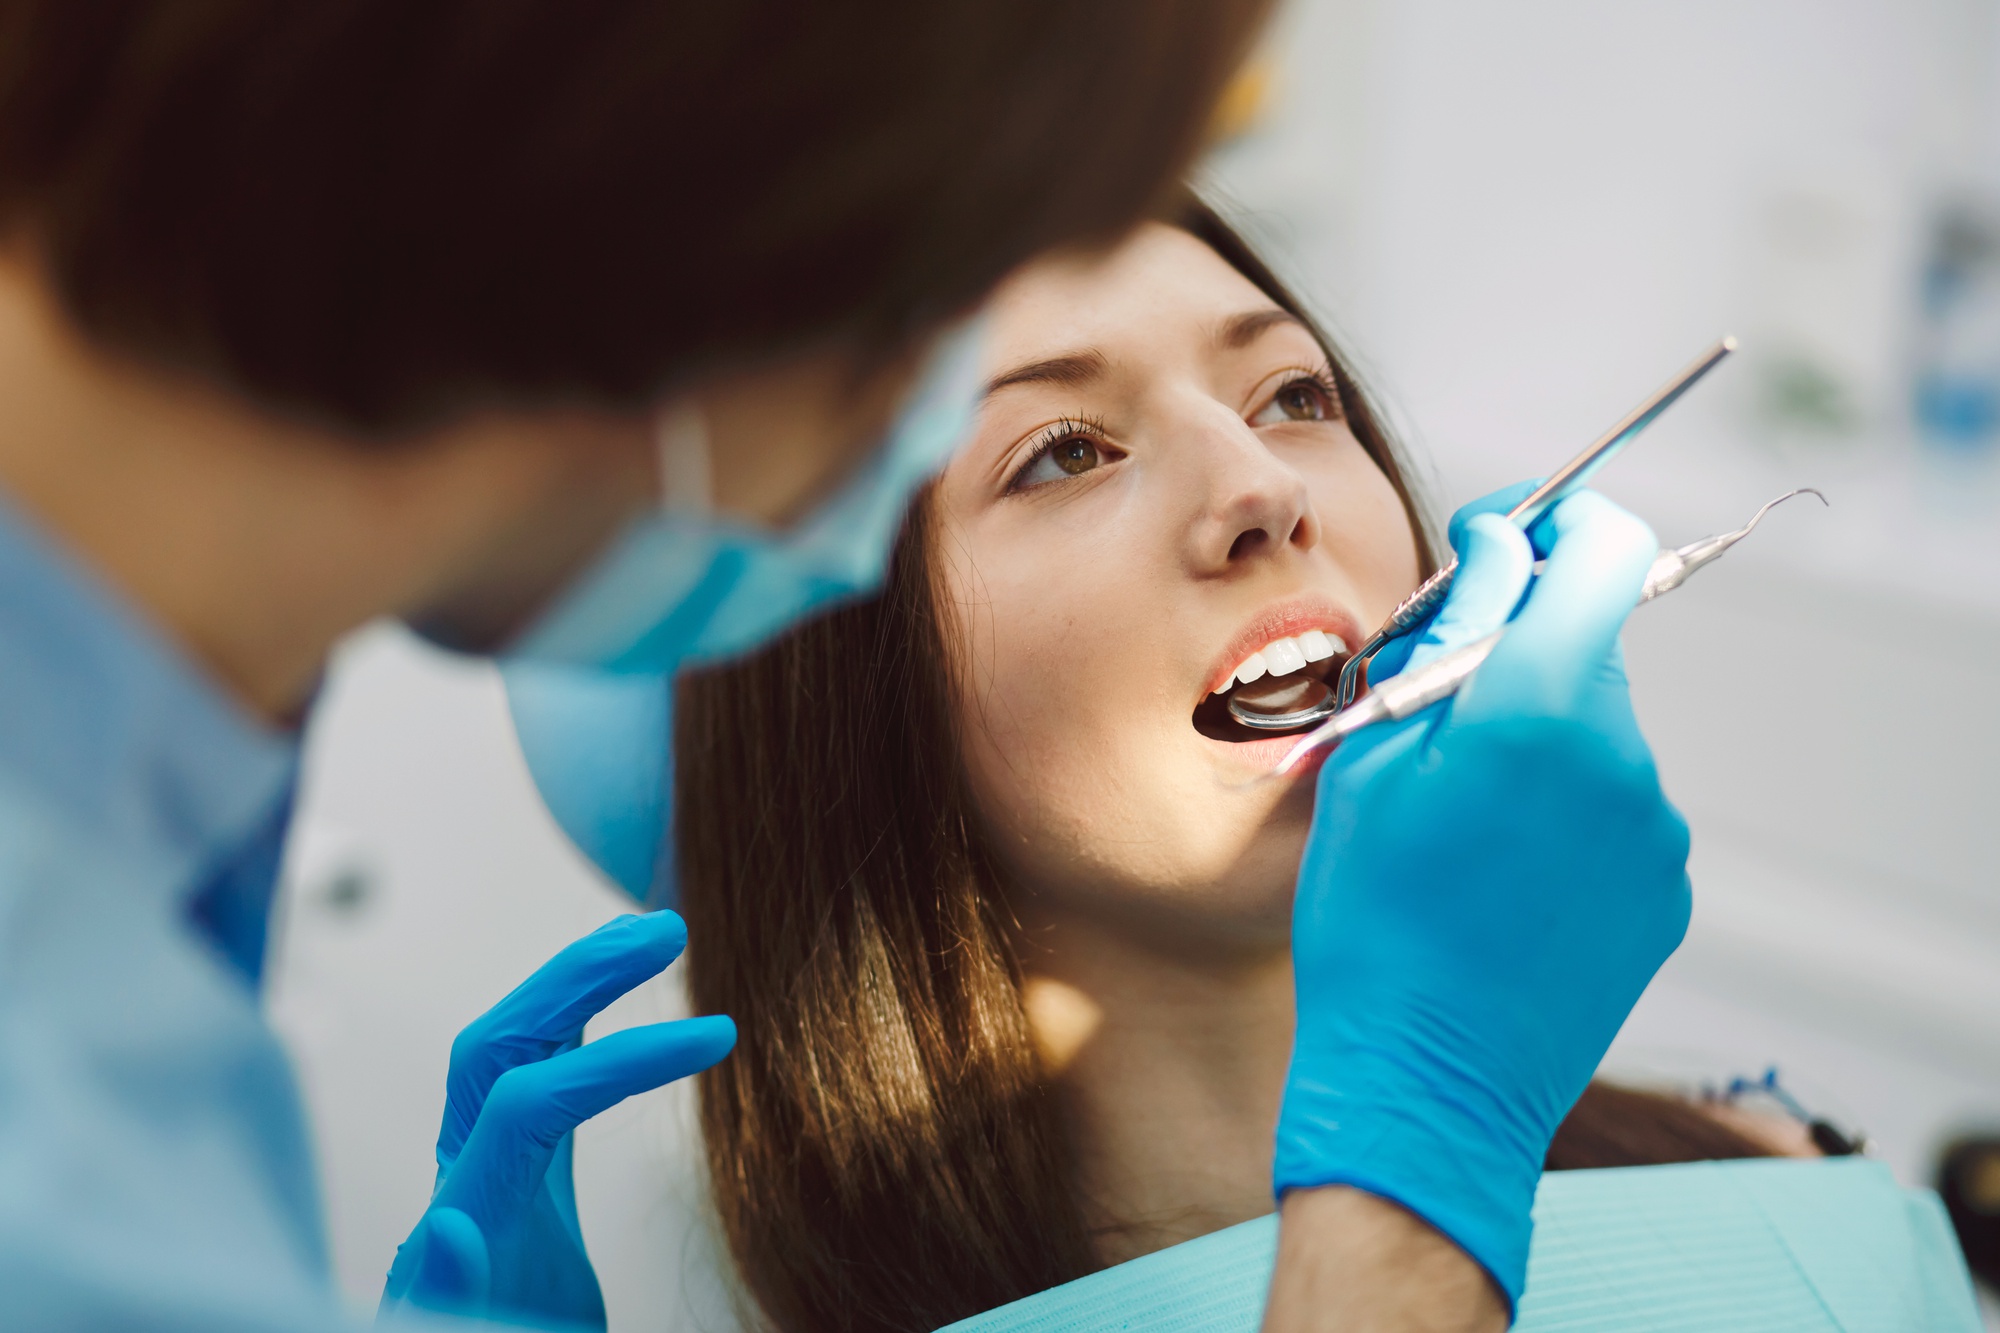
(1301, 400)
(1076, 455)
(1071, 456)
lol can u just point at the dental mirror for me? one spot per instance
(1281, 703)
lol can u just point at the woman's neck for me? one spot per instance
(1170, 1066)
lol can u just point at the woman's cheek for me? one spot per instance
(1051, 760)
(1368, 531)
(1017, 686)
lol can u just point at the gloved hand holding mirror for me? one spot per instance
(1487, 889)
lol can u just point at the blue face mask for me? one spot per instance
(684, 585)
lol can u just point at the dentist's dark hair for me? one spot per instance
(884, 1149)
(381, 213)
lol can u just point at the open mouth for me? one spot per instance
(1282, 686)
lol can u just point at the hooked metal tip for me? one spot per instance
(1694, 555)
(1758, 517)
(1730, 539)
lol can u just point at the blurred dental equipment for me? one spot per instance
(1419, 688)
(1572, 476)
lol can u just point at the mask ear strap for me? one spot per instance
(681, 435)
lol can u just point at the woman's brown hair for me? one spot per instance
(377, 212)
(884, 1151)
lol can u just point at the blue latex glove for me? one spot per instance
(500, 1237)
(1486, 890)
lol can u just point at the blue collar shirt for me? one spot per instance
(155, 1169)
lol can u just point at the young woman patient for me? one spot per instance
(974, 867)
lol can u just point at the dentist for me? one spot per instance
(615, 335)
(311, 314)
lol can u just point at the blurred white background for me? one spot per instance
(1520, 218)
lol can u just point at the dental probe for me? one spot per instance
(1572, 476)
(1400, 696)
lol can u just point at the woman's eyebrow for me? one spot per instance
(1244, 329)
(1075, 370)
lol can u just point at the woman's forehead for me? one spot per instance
(1160, 282)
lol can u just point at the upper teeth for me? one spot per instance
(1281, 657)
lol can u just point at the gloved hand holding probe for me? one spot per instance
(1487, 889)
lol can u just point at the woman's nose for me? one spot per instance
(1258, 505)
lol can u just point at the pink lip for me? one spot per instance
(1263, 756)
(1283, 620)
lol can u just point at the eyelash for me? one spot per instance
(1054, 434)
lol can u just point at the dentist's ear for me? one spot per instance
(687, 471)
